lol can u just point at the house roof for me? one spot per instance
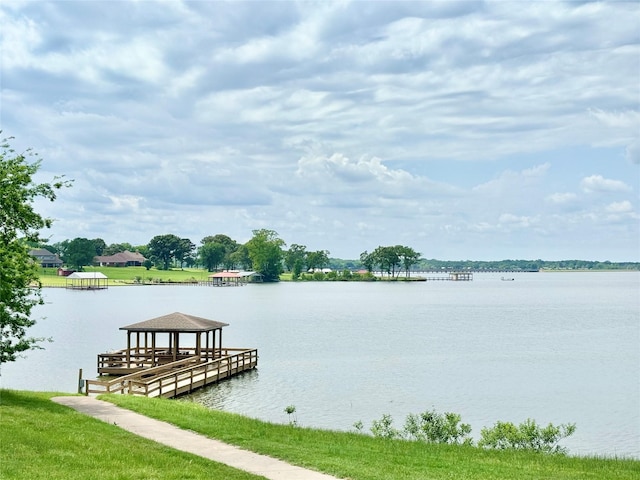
(121, 257)
(87, 275)
(175, 322)
(40, 252)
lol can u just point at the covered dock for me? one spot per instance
(87, 281)
(165, 352)
(233, 278)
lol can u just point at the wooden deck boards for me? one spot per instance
(177, 378)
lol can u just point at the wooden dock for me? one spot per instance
(153, 369)
(453, 277)
(179, 377)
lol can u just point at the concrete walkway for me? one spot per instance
(191, 442)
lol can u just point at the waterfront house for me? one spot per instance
(45, 258)
(120, 259)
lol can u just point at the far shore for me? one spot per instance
(140, 276)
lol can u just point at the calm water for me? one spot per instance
(555, 347)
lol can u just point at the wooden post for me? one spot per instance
(80, 382)
(128, 348)
(153, 349)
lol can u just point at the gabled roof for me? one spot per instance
(41, 252)
(87, 275)
(121, 257)
(175, 322)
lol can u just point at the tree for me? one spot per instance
(230, 246)
(99, 246)
(265, 251)
(19, 224)
(117, 248)
(162, 249)
(317, 259)
(79, 252)
(367, 259)
(141, 249)
(211, 255)
(294, 259)
(240, 257)
(222, 239)
(387, 258)
(408, 257)
(60, 248)
(184, 252)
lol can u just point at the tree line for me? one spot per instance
(264, 253)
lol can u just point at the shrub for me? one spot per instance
(383, 428)
(433, 427)
(526, 436)
(290, 410)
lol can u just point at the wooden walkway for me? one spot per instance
(453, 277)
(177, 378)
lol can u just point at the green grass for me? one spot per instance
(43, 440)
(127, 275)
(40, 439)
(362, 457)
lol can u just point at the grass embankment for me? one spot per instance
(130, 276)
(41, 439)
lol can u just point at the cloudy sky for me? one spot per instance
(466, 130)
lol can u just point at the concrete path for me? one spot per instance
(191, 442)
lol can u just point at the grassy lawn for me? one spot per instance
(43, 440)
(129, 275)
(362, 457)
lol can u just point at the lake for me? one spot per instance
(554, 347)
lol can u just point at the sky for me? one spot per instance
(482, 130)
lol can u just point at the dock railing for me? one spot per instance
(176, 378)
(144, 358)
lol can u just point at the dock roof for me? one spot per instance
(87, 275)
(175, 322)
(232, 274)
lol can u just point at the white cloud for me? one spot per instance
(511, 220)
(597, 183)
(562, 198)
(620, 207)
(626, 119)
(339, 122)
(510, 182)
(632, 152)
(339, 167)
(126, 203)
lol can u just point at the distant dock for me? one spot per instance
(452, 277)
(87, 281)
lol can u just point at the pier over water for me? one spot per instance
(151, 368)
